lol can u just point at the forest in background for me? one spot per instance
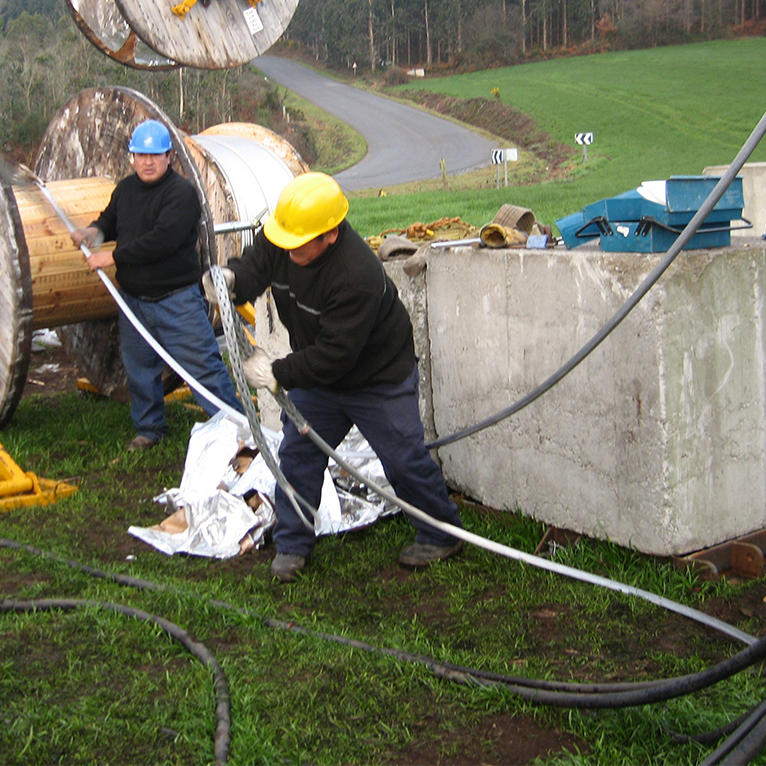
(45, 59)
(481, 34)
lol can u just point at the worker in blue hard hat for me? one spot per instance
(352, 363)
(153, 216)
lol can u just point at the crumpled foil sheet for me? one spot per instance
(212, 494)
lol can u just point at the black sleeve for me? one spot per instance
(253, 270)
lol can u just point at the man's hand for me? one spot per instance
(92, 237)
(103, 259)
(209, 288)
(257, 369)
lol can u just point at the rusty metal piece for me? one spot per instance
(741, 557)
(225, 34)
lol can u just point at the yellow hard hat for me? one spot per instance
(310, 205)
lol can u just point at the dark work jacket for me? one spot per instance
(348, 327)
(155, 226)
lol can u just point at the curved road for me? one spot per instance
(403, 143)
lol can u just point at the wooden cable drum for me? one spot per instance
(238, 171)
(216, 35)
(147, 34)
(250, 174)
(104, 25)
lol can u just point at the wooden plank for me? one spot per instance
(216, 36)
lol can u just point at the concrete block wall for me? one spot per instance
(657, 440)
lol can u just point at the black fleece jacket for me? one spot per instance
(155, 226)
(348, 327)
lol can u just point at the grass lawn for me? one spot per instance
(654, 113)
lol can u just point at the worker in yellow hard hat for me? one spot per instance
(352, 363)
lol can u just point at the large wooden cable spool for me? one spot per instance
(45, 281)
(147, 34)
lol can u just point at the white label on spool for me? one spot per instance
(253, 20)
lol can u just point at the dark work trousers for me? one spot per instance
(388, 417)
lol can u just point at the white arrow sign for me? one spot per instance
(584, 139)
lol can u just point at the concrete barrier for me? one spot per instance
(657, 440)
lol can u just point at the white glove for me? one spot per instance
(209, 288)
(92, 237)
(257, 369)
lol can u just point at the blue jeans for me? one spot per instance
(389, 418)
(179, 322)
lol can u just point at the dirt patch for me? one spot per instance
(50, 372)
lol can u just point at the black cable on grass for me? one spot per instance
(552, 693)
(707, 737)
(747, 740)
(200, 651)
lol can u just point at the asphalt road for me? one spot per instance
(403, 143)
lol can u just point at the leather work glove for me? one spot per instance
(92, 237)
(257, 369)
(209, 288)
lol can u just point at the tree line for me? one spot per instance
(485, 33)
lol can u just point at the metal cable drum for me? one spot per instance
(254, 174)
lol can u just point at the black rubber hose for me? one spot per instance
(200, 651)
(707, 737)
(750, 731)
(554, 693)
(688, 232)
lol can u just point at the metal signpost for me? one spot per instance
(585, 140)
(503, 156)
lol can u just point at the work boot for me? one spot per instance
(423, 554)
(287, 566)
(139, 442)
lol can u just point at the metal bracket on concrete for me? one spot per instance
(742, 557)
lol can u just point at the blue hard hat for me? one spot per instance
(150, 137)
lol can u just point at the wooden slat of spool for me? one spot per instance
(105, 27)
(212, 37)
(15, 305)
(62, 285)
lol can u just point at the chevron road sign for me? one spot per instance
(584, 139)
(503, 157)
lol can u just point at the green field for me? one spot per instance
(653, 113)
